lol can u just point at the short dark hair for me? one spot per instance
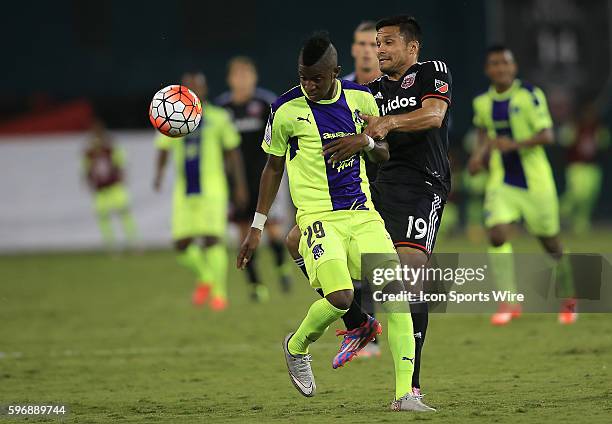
(366, 26)
(408, 26)
(315, 47)
(497, 48)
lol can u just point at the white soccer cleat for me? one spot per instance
(410, 402)
(300, 370)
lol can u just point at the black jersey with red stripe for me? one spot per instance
(416, 158)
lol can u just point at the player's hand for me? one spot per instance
(505, 144)
(344, 147)
(241, 197)
(247, 248)
(377, 126)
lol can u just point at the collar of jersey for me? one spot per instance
(327, 101)
(506, 94)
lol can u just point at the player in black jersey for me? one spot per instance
(249, 107)
(411, 188)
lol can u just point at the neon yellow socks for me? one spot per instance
(402, 345)
(215, 260)
(320, 315)
(502, 266)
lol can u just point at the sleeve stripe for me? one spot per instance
(439, 66)
(436, 95)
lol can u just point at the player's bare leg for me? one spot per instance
(259, 292)
(563, 276)
(502, 266)
(276, 235)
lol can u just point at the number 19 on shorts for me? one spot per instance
(418, 225)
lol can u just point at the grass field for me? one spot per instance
(116, 340)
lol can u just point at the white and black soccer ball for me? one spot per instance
(175, 111)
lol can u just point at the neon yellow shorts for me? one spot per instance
(341, 236)
(194, 216)
(539, 209)
(111, 199)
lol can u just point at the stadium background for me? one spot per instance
(116, 338)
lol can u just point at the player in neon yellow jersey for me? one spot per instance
(514, 125)
(310, 126)
(199, 211)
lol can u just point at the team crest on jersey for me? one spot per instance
(317, 251)
(408, 80)
(441, 86)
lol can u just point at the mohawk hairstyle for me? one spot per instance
(315, 47)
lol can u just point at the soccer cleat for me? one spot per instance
(568, 314)
(410, 402)
(370, 350)
(218, 304)
(300, 371)
(506, 313)
(355, 340)
(200, 294)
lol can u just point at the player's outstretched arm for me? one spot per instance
(268, 188)
(345, 147)
(429, 116)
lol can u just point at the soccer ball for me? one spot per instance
(175, 111)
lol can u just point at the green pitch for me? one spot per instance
(117, 340)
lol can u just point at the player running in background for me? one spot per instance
(199, 206)
(514, 125)
(249, 107)
(584, 140)
(103, 165)
(411, 188)
(366, 70)
(335, 213)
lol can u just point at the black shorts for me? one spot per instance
(412, 214)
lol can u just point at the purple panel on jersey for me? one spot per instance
(352, 85)
(514, 174)
(192, 162)
(294, 93)
(343, 179)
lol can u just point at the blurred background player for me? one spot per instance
(584, 140)
(249, 107)
(363, 51)
(200, 198)
(103, 164)
(514, 124)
